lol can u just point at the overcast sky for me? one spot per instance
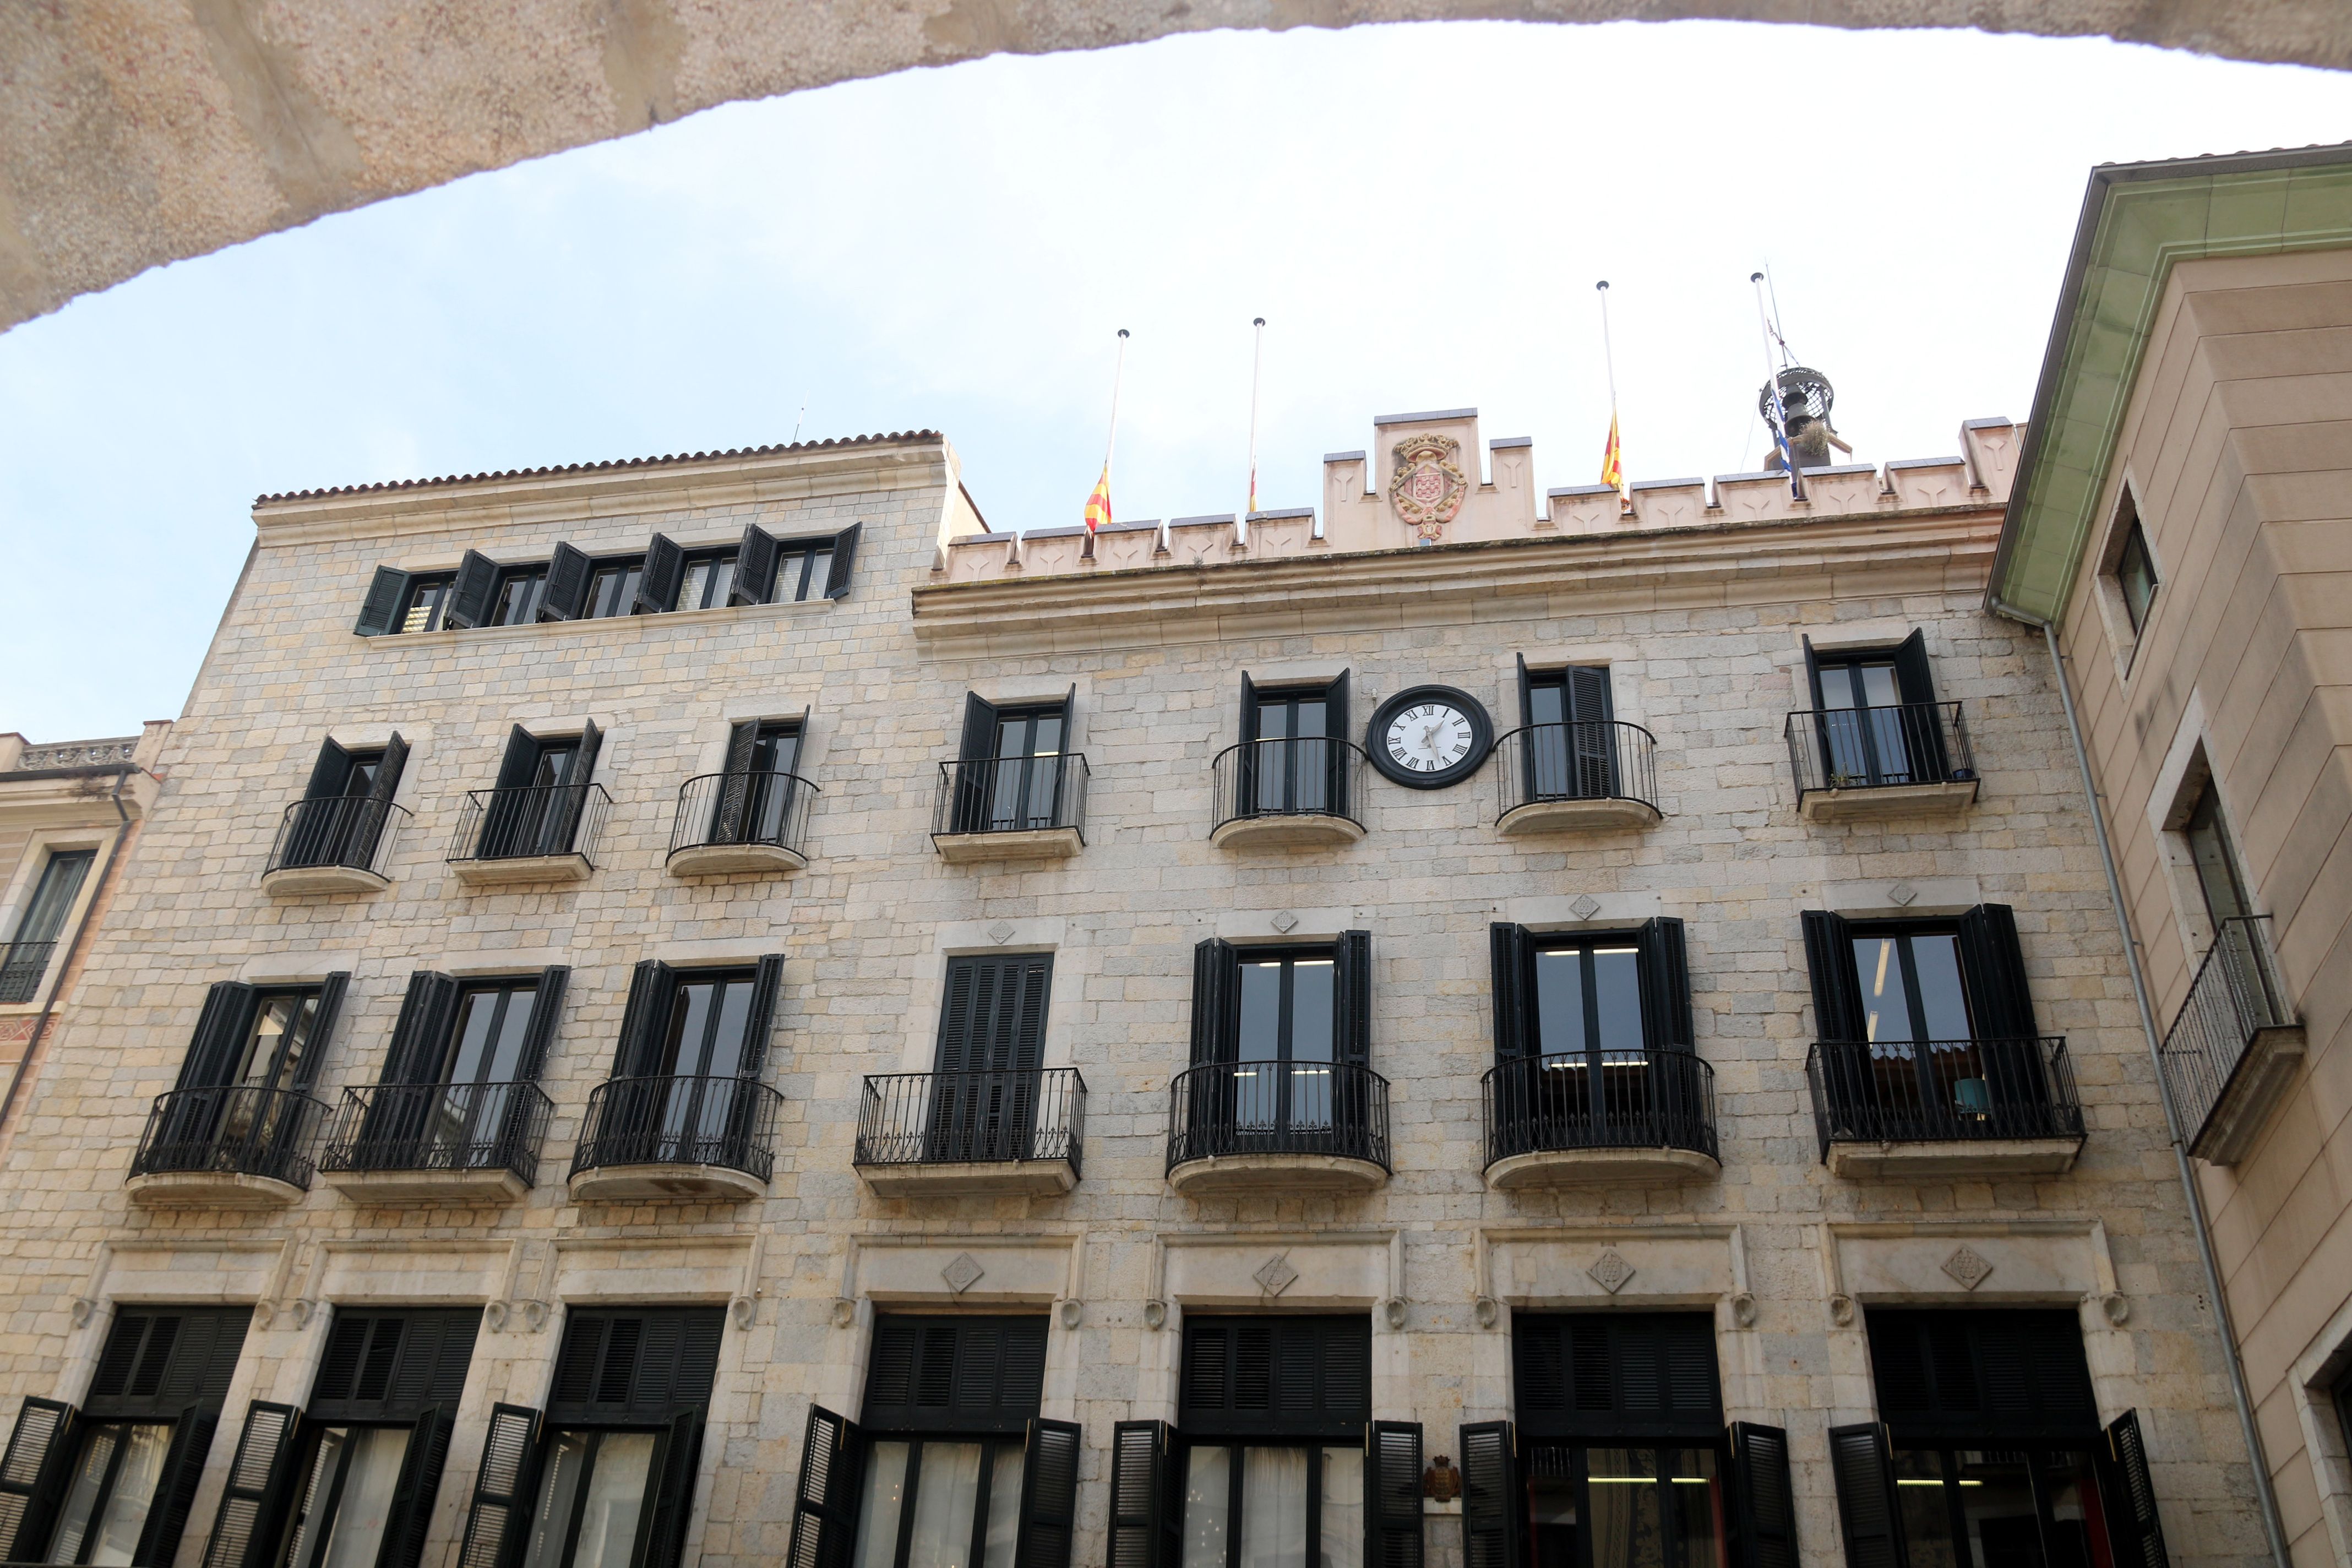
(1420, 212)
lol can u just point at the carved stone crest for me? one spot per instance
(1610, 1271)
(1968, 1266)
(961, 1273)
(1276, 1275)
(1427, 486)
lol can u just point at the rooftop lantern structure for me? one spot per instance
(1806, 398)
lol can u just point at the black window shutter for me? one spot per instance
(220, 1030)
(755, 567)
(1527, 692)
(1393, 1508)
(1142, 1525)
(825, 1505)
(329, 772)
(1335, 708)
(175, 1487)
(32, 1472)
(420, 1036)
(2137, 1530)
(565, 597)
(1763, 1503)
(1216, 989)
(664, 570)
(546, 1011)
(1813, 672)
(680, 1461)
(410, 1514)
(766, 981)
(1913, 680)
(740, 739)
(1249, 707)
(979, 728)
(572, 803)
(1863, 1462)
(584, 761)
(471, 594)
(1491, 1505)
(322, 1028)
(1515, 1032)
(1993, 965)
(1837, 996)
(1351, 981)
(1049, 1495)
(845, 555)
(380, 610)
(521, 760)
(643, 1021)
(255, 1476)
(1588, 694)
(388, 769)
(731, 823)
(1666, 984)
(501, 1491)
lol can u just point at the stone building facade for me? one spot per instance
(1093, 1053)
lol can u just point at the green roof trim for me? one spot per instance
(2139, 220)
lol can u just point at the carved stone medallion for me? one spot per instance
(1276, 1275)
(1966, 1266)
(1610, 1271)
(963, 1273)
(1427, 486)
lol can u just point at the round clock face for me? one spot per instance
(1430, 736)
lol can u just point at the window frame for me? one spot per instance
(798, 558)
(14, 974)
(1575, 1459)
(2136, 606)
(711, 580)
(303, 1471)
(627, 573)
(1901, 933)
(534, 574)
(543, 1476)
(440, 585)
(675, 1017)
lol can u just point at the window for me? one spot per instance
(803, 571)
(2215, 858)
(520, 592)
(1281, 1040)
(1011, 774)
(428, 596)
(239, 1102)
(758, 797)
(612, 588)
(2135, 575)
(693, 1043)
(1912, 992)
(991, 1044)
(1572, 747)
(541, 795)
(454, 1089)
(1876, 720)
(1294, 750)
(709, 578)
(27, 957)
(1593, 1042)
(782, 571)
(346, 807)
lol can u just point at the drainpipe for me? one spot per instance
(2268, 1499)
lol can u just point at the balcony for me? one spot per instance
(923, 1134)
(22, 964)
(1286, 1127)
(1287, 793)
(2232, 1052)
(1869, 764)
(436, 1142)
(1945, 1108)
(1615, 1117)
(741, 822)
(1010, 808)
(336, 843)
(539, 833)
(1576, 778)
(708, 1138)
(236, 1148)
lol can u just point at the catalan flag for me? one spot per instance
(1098, 503)
(1612, 459)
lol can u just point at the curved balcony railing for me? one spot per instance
(439, 1127)
(22, 964)
(1607, 1099)
(1540, 764)
(530, 823)
(1909, 743)
(729, 1122)
(239, 1131)
(1012, 794)
(1223, 1108)
(353, 831)
(715, 809)
(1309, 776)
(1934, 1090)
(972, 1117)
(2237, 993)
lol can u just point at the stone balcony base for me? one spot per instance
(636, 1184)
(1036, 1178)
(1608, 814)
(2259, 1081)
(211, 1190)
(1591, 1167)
(1278, 1173)
(288, 882)
(1285, 832)
(1881, 802)
(1943, 1157)
(381, 1187)
(1025, 844)
(724, 859)
(523, 869)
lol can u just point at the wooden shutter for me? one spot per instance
(1666, 984)
(1049, 1495)
(220, 1031)
(1527, 692)
(1392, 1499)
(1492, 1507)
(2132, 1520)
(501, 1501)
(1142, 1524)
(979, 728)
(1335, 708)
(1812, 672)
(845, 557)
(175, 1487)
(992, 1017)
(1862, 1459)
(680, 1463)
(1993, 966)
(1216, 993)
(1249, 707)
(955, 1374)
(1351, 981)
(825, 1505)
(329, 772)
(1282, 1376)
(731, 818)
(1837, 996)
(1588, 694)
(755, 567)
(410, 1515)
(1763, 1503)
(39, 1456)
(740, 740)
(322, 1028)
(255, 1476)
(1913, 680)
(546, 1008)
(766, 979)
(420, 1036)
(1616, 1376)
(473, 592)
(1514, 1021)
(658, 583)
(569, 572)
(380, 610)
(521, 762)
(634, 1368)
(388, 769)
(583, 760)
(642, 1022)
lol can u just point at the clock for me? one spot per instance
(1427, 737)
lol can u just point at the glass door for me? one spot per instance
(1273, 1505)
(1284, 1049)
(1638, 1505)
(1862, 724)
(1293, 766)
(940, 1502)
(1024, 783)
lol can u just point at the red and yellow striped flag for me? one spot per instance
(1612, 461)
(1098, 503)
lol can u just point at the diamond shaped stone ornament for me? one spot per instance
(999, 934)
(1283, 922)
(1610, 1270)
(1901, 894)
(1276, 1275)
(1967, 1268)
(963, 1273)
(1585, 907)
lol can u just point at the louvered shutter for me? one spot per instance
(332, 991)
(1527, 692)
(380, 610)
(1492, 1536)
(766, 981)
(546, 1011)
(521, 762)
(1588, 694)
(644, 1020)
(34, 1469)
(329, 772)
(1142, 1525)
(825, 1505)
(410, 1515)
(681, 1461)
(565, 597)
(1509, 947)
(368, 832)
(1393, 1500)
(220, 1032)
(1829, 959)
(583, 760)
(470, 597)
(388, 769)
(1216, 989)
(1812, 673)
(1922, 725)
(255, 1476)
(1592, 745)
(1049, 1495)
(2134, 1526)
(501, 1495)
(731, 816)
(175, 1487)
(1914, 682)
(1666, 984)
(1993, 965)
(1862, 1459)
(755, 568)
(1612, 1376)
(974, 771)
(420, 1036)
(1763, 1502)
(571, 803)
(1351, 981)
(844, 557)
(657, 585)
(1334, 725)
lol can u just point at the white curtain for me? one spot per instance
(1273, 1508)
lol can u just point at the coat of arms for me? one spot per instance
(1427, 487)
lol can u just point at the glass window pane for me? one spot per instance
(1628, 1531)
(689, 1021)
(947, 1487)
(476, 1016)
(1837, 686)
(1551, 1509)
(505, 1059)
(1885, 1002)
(125, 1514)
(1996, 1510)
(693, 589)
(1342, 1544)
(559, 1489)
(1878, 686)
(1208, 1506)
(878, 1510)
(355, 1535)
(726, 1056)
(1261, 1012)
(82, 1495)
(1936, 959)
(1926, 1509)
(1617, 988)
(1311, 717)
(1544, 705)
(1273, 1508)
(1560, 1002)
(820, 570)
(1311, 1023)
(2068, 1482)
(1004, 1507)
(2216, 862)
(617, 1497)
(1694, 1493)
(326, 1461)
(62, 878)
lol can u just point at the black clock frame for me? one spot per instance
(1482, 737)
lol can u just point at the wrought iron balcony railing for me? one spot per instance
(1223, 1108)
(22, 964)
(729, 1122)
(1305, 776)
(351, 831)
(1910, 743)
(1618, 1100)
(530, 823)
(439, 1127)
(972, 1117)
(1012, 794)
(716, 809)
(2237, 993)
(1538, 763)
(239, 1131)
(1939, 1091)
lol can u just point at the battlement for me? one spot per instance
(1421, 484)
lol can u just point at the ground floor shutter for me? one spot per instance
(255, 1476)
(1863, 1462)
(1393, 1503)
(825, 1505)
(175, 1489)
(1763, 1503)
(1492, 1507)
(2132, 1520)
(1142, 1522)
(1049, 1495)
(680, 1462)
(410, 1516)
(501, 1501)
(30, 1471)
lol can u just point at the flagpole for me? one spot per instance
(1111, 447)
(1772, 384)
(1608, 358)
(1257, 363)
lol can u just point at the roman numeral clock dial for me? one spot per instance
(1428, 737)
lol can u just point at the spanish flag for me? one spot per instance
(1612, 461)
(1098, 503)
